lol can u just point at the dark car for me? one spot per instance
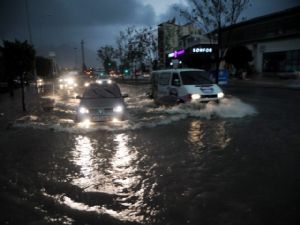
(101, 102)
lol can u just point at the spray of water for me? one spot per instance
(142, 114)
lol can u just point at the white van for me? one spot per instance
(183, 85)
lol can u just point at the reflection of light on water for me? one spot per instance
(85, 124)
(122, 156)
(195, 137)
(124, 176)
(81, 206)
(196, 133)
(120, 178)
(200, 137)
(122, 169)
(222, 138)
(83, 155)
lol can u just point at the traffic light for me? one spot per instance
(126, 71)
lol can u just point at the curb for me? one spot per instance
(263, 85)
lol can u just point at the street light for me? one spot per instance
(75, 57)
(28, 22)
(30, 41)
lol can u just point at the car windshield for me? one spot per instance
(102, 91)
(195, 77)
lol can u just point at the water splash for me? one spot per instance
(142, 114)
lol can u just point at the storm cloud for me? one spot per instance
(67, 22)
(60, 25)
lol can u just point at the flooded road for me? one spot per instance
(236, 162)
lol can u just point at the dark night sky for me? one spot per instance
(60, 25)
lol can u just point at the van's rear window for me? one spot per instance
(195, 77)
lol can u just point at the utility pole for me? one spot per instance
(75, 57)
(30, 41)
(28, 22)
(82, 56)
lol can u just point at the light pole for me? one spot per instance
(28, 22)
(82, 56)
(52, 56)
(30, 41)
(75, 58)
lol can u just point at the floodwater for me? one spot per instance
(187, 164)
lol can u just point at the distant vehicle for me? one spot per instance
(101, 102)
(104, 80)
(68, 80)
(183, 85)
(40, 82)
(84, 81)
(67, 83)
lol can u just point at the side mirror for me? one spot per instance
(176, 82)
(125, 95)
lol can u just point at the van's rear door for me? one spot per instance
(163, 84)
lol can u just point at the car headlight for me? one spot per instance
(83, 110)
(86, 84)
(99, 81)
(118, 109)
(115, 120)
(109, 81)
(70, 81)
(220, 95)
(195, 96)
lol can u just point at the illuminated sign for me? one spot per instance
(176, 54)
(202, 50)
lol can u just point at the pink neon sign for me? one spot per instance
(176, 53)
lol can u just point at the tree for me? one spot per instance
(239, 56)
(43, 66)
(107, 54)
(212, 16)
(123, 46)
(18, 60)
(137, 46)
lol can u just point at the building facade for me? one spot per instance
(170, 39)
(274, 41)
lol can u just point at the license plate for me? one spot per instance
(100, 118)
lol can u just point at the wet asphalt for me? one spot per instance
(233, 163)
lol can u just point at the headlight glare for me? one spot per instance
(83, 110)
(118, 109)
(70, 81)
(195, 96)
(220, 95)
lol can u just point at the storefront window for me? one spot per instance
(288, 61)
